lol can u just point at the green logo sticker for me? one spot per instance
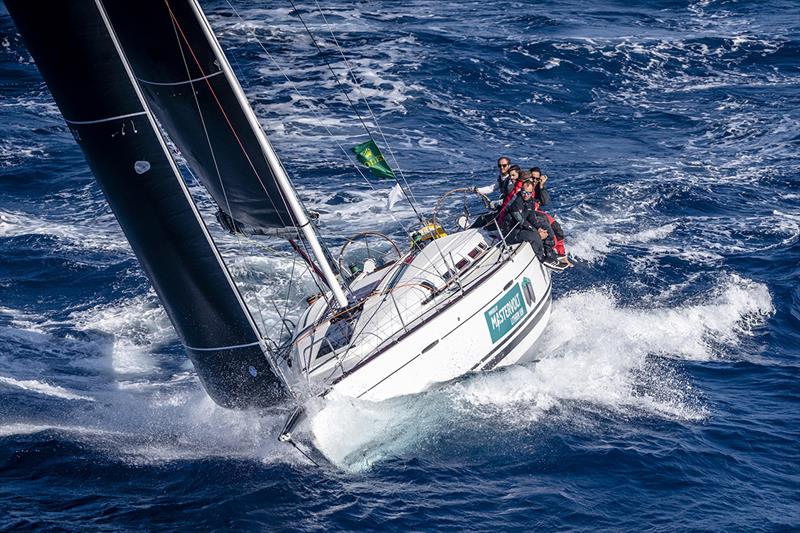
(505, 313)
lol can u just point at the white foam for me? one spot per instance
(590, 246)
(136, 326)
(13, 154)
(22, 320)
(21, 428)
(96, 236)
(594, 319)
(597, 354)
(45, 389)
(175, 425)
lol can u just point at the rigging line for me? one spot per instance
(200, 68)
(263, 334)
(216, 163)
(307, 267)
(233, 130)
(296, 447)
(411, 199)
(409, 194)
(288, 293)
(305, 247)
(281, 318)
(364, 97)
(335, 77)
(322, 291)
(312, 268)
(322, 245)
(225, 116)
(251, 117)
(316, 115)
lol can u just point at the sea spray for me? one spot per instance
(594, 352)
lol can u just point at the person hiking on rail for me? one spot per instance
(540, 194)
(523, 224)
(503, 165)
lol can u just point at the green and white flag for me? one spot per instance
(371, 157)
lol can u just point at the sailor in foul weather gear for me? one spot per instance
(557, 231)
(519, 178)
(510, 181)
(503, 165)
(540, 193)
(522, 223)
(542, 197)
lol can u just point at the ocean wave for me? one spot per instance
(40, 387)
(595, 350)
(70, 235)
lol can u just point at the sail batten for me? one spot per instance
(182, 82)
(106, 119)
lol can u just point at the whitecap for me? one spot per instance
(45, 389)
(596, 353)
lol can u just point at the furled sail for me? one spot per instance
(79, 58)
(176, 60)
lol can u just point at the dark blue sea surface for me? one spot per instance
(668, 395)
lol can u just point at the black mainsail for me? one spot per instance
(79, 56)
(186, 86)
(191, 88)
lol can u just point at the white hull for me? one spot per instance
(492, 319)
(457, 340)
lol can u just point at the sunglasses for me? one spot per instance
(503, 165)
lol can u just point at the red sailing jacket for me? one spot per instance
(559, 243)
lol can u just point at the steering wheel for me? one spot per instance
(465, 194)
(373, 252)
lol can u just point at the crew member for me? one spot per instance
(503, 165)
(522, 223)
(540, 192)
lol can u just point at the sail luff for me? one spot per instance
(285, 185)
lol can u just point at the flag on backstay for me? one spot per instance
(371, 157)
(395, 195)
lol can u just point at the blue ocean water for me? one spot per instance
(668, 395)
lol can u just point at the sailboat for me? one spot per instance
(133, 78)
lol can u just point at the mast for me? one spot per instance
(285, 185)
